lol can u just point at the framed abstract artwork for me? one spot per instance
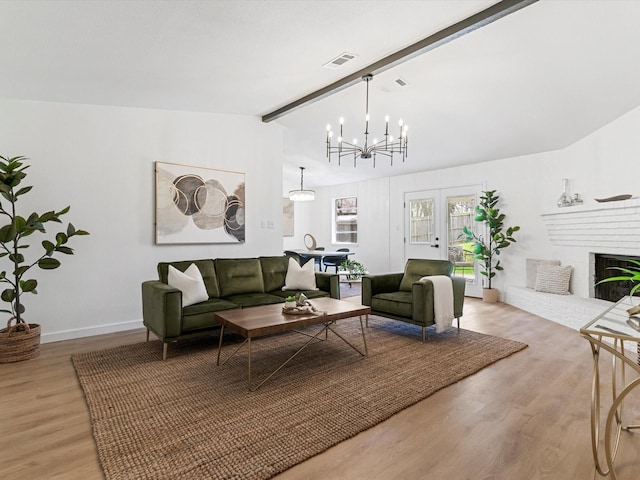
(199, 205)
(287, 217)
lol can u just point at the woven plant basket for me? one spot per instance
(19, 342)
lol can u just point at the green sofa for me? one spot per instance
(230, 283)
(404, 296)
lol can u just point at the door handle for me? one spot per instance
(435, 245)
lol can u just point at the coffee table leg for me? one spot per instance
(364, 339)
(249, 362)
(314, 337)
(365, 353)
(220, 342)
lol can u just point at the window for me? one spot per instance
(422, 221)
(345, 220)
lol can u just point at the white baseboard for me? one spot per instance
(90, 331)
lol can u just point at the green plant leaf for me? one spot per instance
(65, 250)
(61, 238)
(22, 191)
(47, 217)
(7, 233)
(615, 279)
(28, 285)
(19, 224)
(48, 263)
(71, 230)
(16, 258)
(48, 246)
(8, 295)
(18, 272)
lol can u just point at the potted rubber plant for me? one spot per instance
(487, 248)
(21, 340)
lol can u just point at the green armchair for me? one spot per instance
(404, 296)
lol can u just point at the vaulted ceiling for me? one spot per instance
(537, 80)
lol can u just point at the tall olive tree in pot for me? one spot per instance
(21, 340)
(485, 249)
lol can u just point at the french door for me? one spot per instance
(433, 225)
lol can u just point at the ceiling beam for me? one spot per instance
(463, 27)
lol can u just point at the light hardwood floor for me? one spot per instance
(525, 417)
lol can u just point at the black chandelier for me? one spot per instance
(387, 146)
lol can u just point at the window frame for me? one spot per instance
(334, 221)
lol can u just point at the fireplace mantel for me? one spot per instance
(610, 226)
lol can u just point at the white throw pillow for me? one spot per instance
(190, 283)
(553, 279)
(532, 269)
(300, 278)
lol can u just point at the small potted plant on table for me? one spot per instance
(354, 269)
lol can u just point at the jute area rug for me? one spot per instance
(188, 418)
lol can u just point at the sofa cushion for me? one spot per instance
(190, 283)
(206, 267)
(200, 315)
(274, 271)
(395, 303)
(239, 275)
(254, 299)
(416, 268)
(300, 277)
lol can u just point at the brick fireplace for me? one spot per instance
(610, 230)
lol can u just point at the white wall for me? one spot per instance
(100, 160)
(602, 164)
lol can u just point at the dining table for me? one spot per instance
(318, 254)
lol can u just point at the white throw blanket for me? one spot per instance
(442, 301)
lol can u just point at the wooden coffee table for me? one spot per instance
(265, 320)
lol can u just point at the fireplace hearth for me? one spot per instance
(611, 291)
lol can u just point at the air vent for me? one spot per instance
(340, 60)
(401, 81)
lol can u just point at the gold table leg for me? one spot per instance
(615, 411)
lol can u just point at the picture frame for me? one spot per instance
(198, 205)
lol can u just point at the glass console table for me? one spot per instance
(608, 332)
